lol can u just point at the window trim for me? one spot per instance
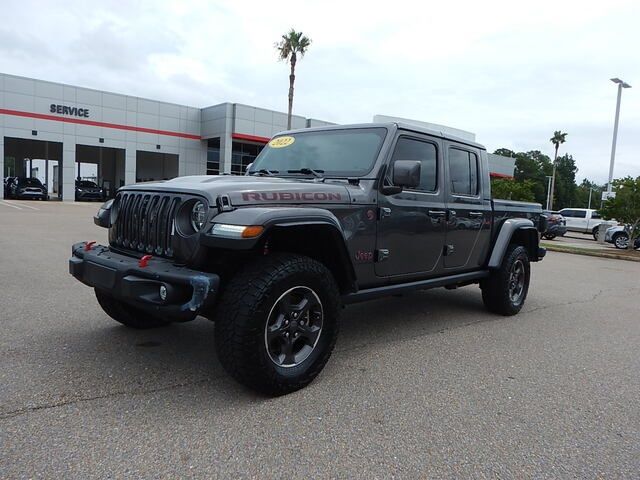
(450, 182)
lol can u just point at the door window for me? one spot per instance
(580, 214)
(463, 171)
(426, 154)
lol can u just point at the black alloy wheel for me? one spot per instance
(294, 326)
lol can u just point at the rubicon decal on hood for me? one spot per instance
(290, 196)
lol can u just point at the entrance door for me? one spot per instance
(411, 228)
(468, 213)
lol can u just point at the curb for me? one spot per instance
(589, 253)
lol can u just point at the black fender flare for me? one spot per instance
(279, 218)
(527, 234)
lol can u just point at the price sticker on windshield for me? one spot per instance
(281, 142)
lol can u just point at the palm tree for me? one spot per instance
(292, 44)
(557, 139)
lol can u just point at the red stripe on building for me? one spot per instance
(249, 138)
(92, 123)
(499, 175)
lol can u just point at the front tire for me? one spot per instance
(505, 290)
(126, 314)
(277, 323)
(621, 241)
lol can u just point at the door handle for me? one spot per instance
(476, 214)
(437, 213)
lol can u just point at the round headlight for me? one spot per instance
(198, 216)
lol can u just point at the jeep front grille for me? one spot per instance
(144, 222)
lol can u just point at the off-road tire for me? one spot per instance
(496, 288)
(243, 314)
(126, 314)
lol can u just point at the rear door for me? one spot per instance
(468, 212)
(411, 226)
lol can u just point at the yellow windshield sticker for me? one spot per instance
(281, 142)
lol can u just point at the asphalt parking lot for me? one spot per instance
(427, 385)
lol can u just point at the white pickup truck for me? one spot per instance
(583, 220)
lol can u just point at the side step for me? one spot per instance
(386, 290)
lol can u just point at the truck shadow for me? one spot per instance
(183, 355)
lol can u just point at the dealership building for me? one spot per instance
(60, 133)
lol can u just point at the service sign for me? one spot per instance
(66, 110)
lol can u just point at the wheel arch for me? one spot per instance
(320, 240)
(519, 231)
(314, 232)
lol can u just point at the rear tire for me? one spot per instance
(505, 290)
(266, 336)
(594, 232)
(126, 314)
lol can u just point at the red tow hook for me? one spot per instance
(88, 246)
(144, 261)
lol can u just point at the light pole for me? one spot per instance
(621, 85)
(548, 190)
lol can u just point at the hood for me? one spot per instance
(252, 190)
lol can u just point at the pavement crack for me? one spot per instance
(47, 406)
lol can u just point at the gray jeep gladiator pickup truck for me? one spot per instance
(324, 217)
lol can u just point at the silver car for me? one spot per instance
(619, 237)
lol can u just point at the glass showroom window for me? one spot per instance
(242, 154)
(213, 156)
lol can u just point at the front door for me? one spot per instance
(468, 212)
(411, 225)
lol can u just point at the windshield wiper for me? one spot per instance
(308, 171)
(264, 171)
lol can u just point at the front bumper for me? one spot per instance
(557, 230)
(188, 292)
(32, 195)
(89, 195)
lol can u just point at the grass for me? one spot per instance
(632, 255)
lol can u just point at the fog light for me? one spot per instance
(163, 292)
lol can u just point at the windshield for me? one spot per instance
(330, 152)
(86, 184)
(29, 182)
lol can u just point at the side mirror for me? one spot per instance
(103, 217)
(406, 173)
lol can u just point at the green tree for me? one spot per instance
(557, 139)
(625, 206)
(565, 191)
(508, 189)
(585, 190)
(534, 166)
(505, 152)
(292, 45)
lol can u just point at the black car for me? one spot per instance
(87, 190)
(556, 225)
(27, 188)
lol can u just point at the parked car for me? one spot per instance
(619, 236)
(556, 225)
(25, 188)
(87, 190)
(273, 256)
(583, 220)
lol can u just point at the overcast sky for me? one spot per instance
(512, 72)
